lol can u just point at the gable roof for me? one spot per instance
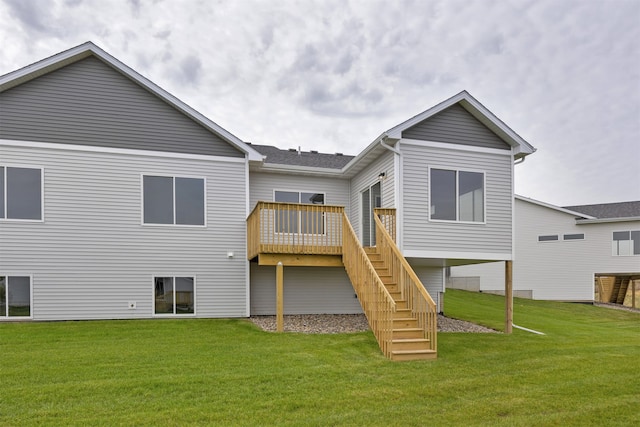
(609, 210)
(521, 147)
(88, 49)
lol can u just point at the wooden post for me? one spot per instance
(633, 293)
(279, 297)
(508, 296)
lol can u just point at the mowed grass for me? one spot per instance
(584, 372)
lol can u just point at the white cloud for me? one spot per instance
(332, 75)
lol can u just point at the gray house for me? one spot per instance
(118, 201)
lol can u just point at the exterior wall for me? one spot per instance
(433, 280)
(367, 178)
(91, 255)
(456, 126)
(430, 239)
(90, 103)
(262, 185)
(556, 270)
(307, 290)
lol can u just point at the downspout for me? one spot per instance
(397, 190)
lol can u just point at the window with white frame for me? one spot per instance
(174, 295)
(626, 243)
(456, 195)
(20, 193)
(15, 296)
(304, 221)
(173, 200)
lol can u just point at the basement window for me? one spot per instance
(548, 238)
(174, 295)
(15, 296)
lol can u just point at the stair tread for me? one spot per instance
(407, 340)
(412, 351)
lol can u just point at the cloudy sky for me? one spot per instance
(333, 75)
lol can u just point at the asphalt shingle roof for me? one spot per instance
(609, 210)
(303, 158)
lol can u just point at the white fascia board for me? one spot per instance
(86, 49)
(456, 147)
(110, 150)
(484, 256)
(605, 220)
(298, 170)
(550, 206)
(369, 149)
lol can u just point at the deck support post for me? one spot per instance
(508, 296)
(279, 297)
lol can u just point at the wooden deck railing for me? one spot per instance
(412, 290)
(292, 228)
(377, 303)
(388, 218)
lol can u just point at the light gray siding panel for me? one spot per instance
(367, 178)
(556, 270)
(307, 290)
(432, 278)
(262, 186)
(456, 126)
(91, 255)
(89, 103)
(420, 234)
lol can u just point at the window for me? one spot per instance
(20, 193)
(174, 295)
(173, 200)
(15, 296)
(457, 195)
(309, 221)
(626, 243)
(579, 236)
(548, 238)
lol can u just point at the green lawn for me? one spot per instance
(584, 371)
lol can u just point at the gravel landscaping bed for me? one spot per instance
(341, 323)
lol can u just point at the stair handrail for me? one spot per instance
(401, 270)
(376, 301)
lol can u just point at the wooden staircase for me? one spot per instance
(620, 287)
(408, 340)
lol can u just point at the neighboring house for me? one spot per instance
(119, 201)
(560, 250)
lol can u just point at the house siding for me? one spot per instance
(262, 186)
(91, 255)
(367, 178)
(422, 235)
(90, 103)
(455, 125)
(556, 270)
(433, 279)
(307, 290)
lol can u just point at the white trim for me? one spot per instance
(398, 199)
(605, 220)
(174, 314)
(457, 171)
(110, 150)
(485, 256)
(4, 317)
(173, 182)
(550, 206)
(4, 193)
(301, 170)
(456, 147)
(512, 171)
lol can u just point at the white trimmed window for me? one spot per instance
(456, 195)
(174, 295)
(626, 243)
(299, 221)
(20, 193)
(548, 238)
(15, 296)
(173, 200)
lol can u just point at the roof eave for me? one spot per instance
(554, 207)
(605, 220)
